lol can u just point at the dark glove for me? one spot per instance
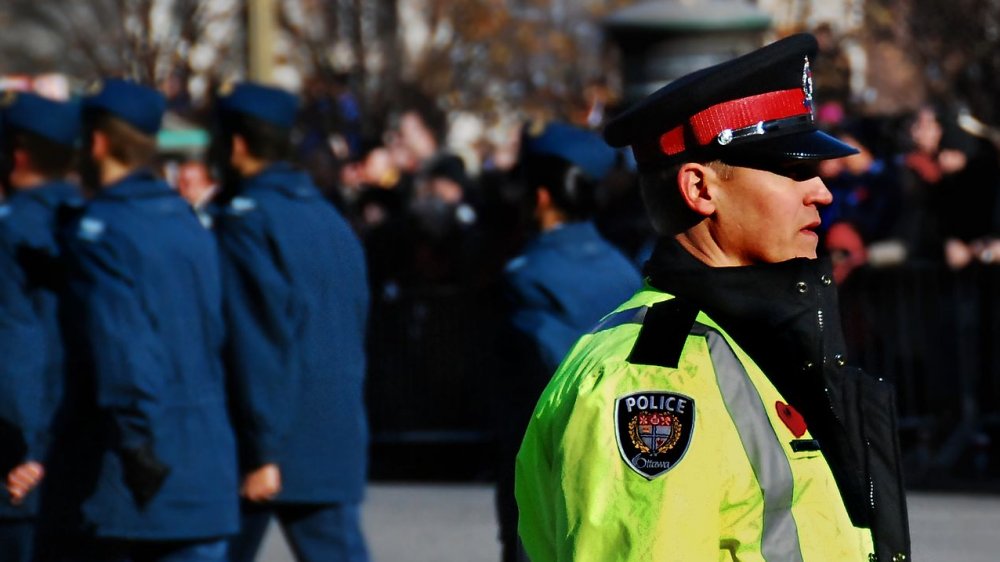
(144, 473)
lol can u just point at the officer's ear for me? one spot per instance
(239, 149)
(543, 198)
(99, 145)
(694, 182)
(21, 159)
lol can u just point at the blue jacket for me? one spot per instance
(30, 341)
(296, 305)
(562, 284)
(145, 276)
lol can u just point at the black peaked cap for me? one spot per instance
(754, 108)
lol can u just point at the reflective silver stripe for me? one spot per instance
(628, 316)
(780, 537)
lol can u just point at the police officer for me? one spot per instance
(37, 143)
(714, 414)
(296, 305)
(563, 282)
(146, 458)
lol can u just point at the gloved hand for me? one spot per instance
(144, 473)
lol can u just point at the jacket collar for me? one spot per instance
(140, 183)
(784, 315)
(50, 194)
(283, 177)
(567, 233)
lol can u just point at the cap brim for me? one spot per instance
(807, 145)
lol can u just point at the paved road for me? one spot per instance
(455, 523)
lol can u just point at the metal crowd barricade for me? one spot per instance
(430, 366)
(935, 334)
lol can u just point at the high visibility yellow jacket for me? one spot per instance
(625, 461)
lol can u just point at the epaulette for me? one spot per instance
(90, 229)
(241, 206)
(664, 331)
(515, 264)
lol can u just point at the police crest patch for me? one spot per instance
(654, 430)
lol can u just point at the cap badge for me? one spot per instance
(807, 85)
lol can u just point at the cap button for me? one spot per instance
(801, 287)
(725, 136)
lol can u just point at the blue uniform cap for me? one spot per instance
(140, 106)
(56, 121)
(267, 103)
(580, 147)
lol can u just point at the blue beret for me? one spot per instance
(267, 103)
(140, 106)
(56, 121)
(757, 108)
(580, 147)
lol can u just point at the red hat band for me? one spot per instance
(727, 121)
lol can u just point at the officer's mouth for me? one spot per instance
(810, 229)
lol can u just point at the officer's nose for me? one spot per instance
(816, 192)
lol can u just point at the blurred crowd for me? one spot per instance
(435, 215)
(922, 190)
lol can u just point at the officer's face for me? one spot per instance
(769, 216)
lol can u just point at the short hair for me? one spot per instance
(265, 141)
(667, 210)
(126, 144)
(49, 158)
(572, 191)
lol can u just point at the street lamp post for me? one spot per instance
(260, 39)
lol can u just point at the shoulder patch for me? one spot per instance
(654, 430)
(241, 205)
(664, 331)
(516, 263)
(90, 229)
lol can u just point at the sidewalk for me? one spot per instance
(456, 523)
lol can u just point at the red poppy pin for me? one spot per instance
(792, 419)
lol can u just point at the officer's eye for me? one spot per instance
(798, 171)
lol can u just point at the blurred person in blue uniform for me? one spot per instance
(37, 145)
(865, 188)
(144, 468)
(566, 279)
(296, 305)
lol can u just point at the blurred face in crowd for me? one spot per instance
(445, 189)
(416, 137)
(846, 249)
(379, 169)
(763, 216)
(926, 131)
(855, 164)
(194, 182)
